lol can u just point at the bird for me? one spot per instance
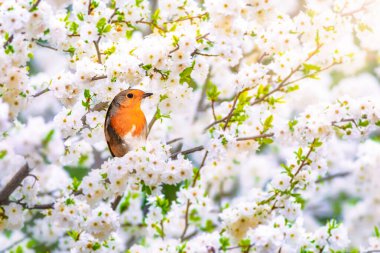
(125, 124)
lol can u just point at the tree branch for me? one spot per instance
(12, 185)
(188, 204)
(333, 176)
(40, 92)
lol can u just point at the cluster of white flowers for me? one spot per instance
(263, 126)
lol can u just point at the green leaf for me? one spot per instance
(245, 244)
(87, 93)
(209, 226)
(224, 243)
(9, 49)
(48, 138)
(3, 153)
(181, 248)
(164, 204)
(19, 249)
(31, 244)
(310, 68)
(80, 16)
(74, 27)
(125, 203)
(73, 234)
(160, 116)
(138, 2)
(147, 67)
(71, 50)
(292, 124)
(156, 16)
(82, 159)
(96, 246)
(185, 76)
(268, 123)
(75, 184)
(377, 232)
(77, 172)
(103, 26)
(212, 91)
(363, 123)
(69, 202)
(194, 216)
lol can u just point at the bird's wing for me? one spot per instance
(114, 142)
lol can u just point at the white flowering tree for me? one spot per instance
(263, 127)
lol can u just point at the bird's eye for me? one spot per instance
(130, 95)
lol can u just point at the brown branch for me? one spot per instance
(229, 116)
(142, 21)
(174, 140)
(197, 175)
(188, 204)
(196, 52)
(175, 49)
(35, 5)
(201, 147)
(152, 121)
(116, 202)
(96, 43)
(188, 151)
(186, 18)
(95, 78)
(202, 37)
(304, 161)
(40, 92)
(362, 8)
(9, 41)
(14, 244)
(333, 176)
(213, 109)
(46, 46)
(12, 185)
(89, 9)
(203, 95)
(255, 137)
(113, 15)
(285, 82)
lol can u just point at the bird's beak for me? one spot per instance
(147, 94)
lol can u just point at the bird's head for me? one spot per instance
(131, 98)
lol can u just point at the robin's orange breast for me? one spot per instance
(129, 121)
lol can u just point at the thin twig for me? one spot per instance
(45, 46)
(142, 21)
(255, 137)
(152, 121)
(333, 176)
(203, 95)
(186, 18)
(40, 92)
(285, 82)
(14, 244)
(305, 161)
(188, 151)
(197, 175)
(98, 77)
(116, 202)
(174, 140)
(96, 43)
(188, 204)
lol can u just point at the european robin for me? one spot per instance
(125, 125)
